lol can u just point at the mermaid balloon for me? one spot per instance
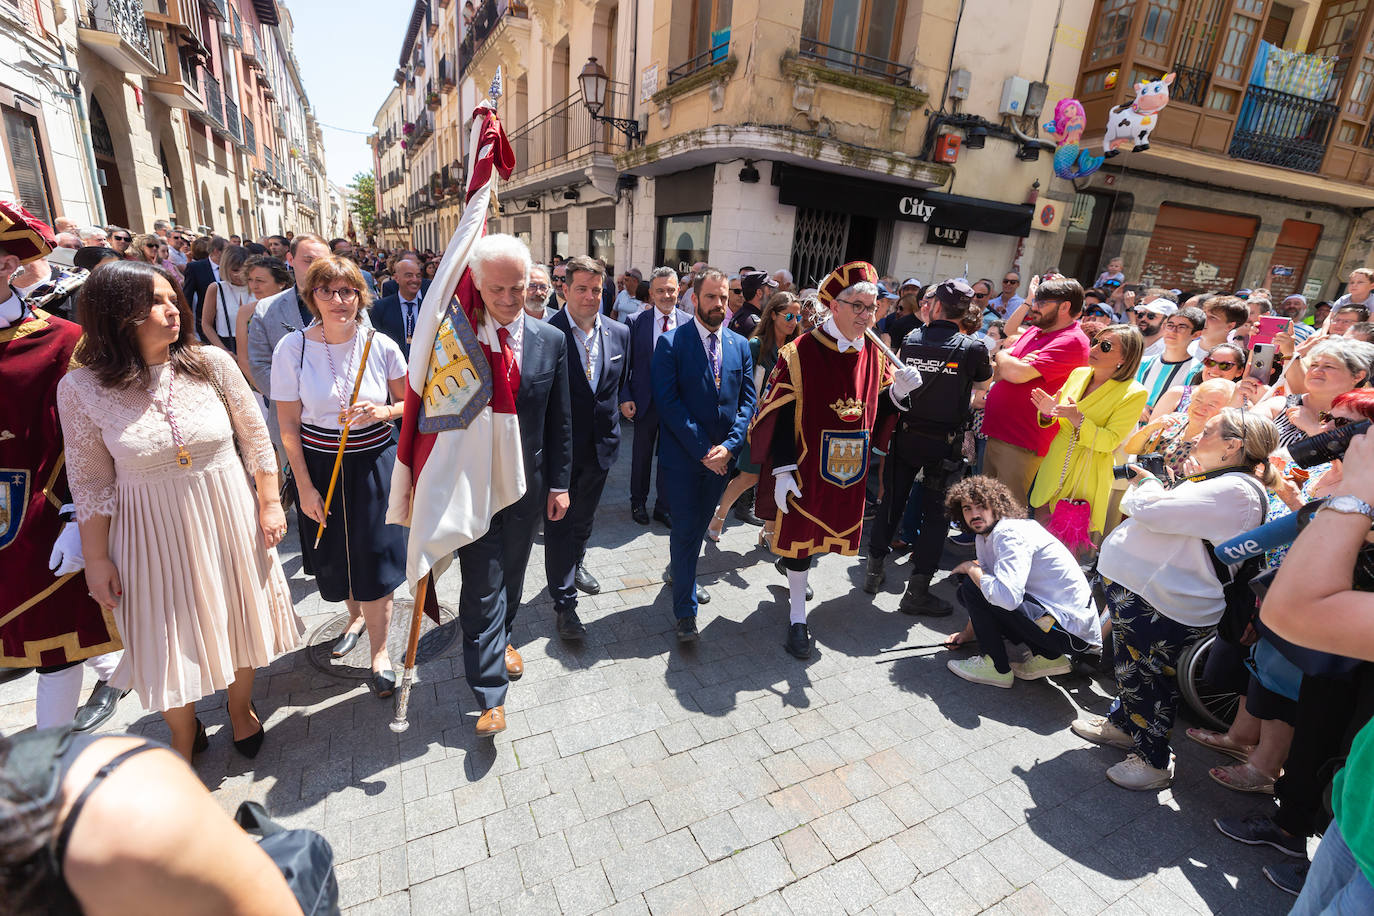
(1070, 160)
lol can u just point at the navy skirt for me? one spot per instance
(359, 556)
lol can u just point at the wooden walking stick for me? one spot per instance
(343, 439)
(423, 591)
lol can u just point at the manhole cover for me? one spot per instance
(357, 666)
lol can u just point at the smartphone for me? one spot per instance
(1282, 272)
(1269, 325)
(1261, 363)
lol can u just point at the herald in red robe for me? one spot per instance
(43, 620)
(834, 398)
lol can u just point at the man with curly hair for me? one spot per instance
(1024, 588)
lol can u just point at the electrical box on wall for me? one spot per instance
(947, 148)
(1014, 91)
(959, 81)
(1035, 99)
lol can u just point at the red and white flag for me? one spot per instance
(459, 460)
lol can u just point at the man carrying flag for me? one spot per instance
(486, 440)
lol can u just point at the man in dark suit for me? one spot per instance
(598, 361)
(493, 566)
(559, 294)
(394, 315)
(703, 382)
(201, 275)
(645, 330)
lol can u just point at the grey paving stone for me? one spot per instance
(592, 841)
(359, 880)
(718, 836)
(583, 890)
(676, 898)
(722, 887)
(544, 859)
(493, 879)
(804, 851)
(889, 866)
(840, 834)
(771, 905)
(941, 893)
(852, 885)
(874, 819)
(429, 815)
(764, 868)
(812, 895)
(509, 828)
(636, 825)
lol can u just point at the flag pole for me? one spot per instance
(422, 590)
(343, 438)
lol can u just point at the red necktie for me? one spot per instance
(508, 354)
(665, 324)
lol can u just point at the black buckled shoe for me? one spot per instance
(798, 643)
(639, 514)
(585, 581)
(98, 707)
(570, 626)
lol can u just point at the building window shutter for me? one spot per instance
(21, 135)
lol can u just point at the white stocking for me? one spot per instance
(104, 665)
(57, 696)
(796, 590)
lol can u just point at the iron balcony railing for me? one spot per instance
(250, 136)
(231, 118)
(214, 99)
(1190, 85)
(708, 58)
(217, 8)
(856, 62)
(123, 18)
(1281, 129)
(488, 17)
(567, 131)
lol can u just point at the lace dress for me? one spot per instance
(202, 597)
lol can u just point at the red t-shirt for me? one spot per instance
(1010, 412)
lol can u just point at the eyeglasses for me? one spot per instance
(790, 316)
(122, 238)
(560, 279)
(980, 295)
(1010, 282)
(347, 296)
(1186, 328)
(859, 308)
(1104, 345)
(1337, 422)
(539, 287)
(737, 291)
(1225, 365)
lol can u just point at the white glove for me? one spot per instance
(904, 381)
(66, 551)
(783, 484)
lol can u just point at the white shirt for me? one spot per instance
(11, 310)
(588, 354)
(177, 257)
(319, 389)
(1019, 559)
(627, 306)
(410, 312)
(214, 268)
(658, 324)
(1158, 552)
(1154, 349)
(844, 343)
(515, 336)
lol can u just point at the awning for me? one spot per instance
(801, 187)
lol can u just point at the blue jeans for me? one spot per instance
(1335, 885)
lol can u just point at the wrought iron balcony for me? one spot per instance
(250, 136)
(566, 131)
(1281, 129)
(707, 58)
(489, 16)
(231, 119)
(214, 100)
(856, 62)
(216, 8)
(118, 32)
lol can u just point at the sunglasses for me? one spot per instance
(560, 279)
(737, 291)
(1010, 282)
(790, 316)
(980, 295)
(123, 238)
(1225, 365)
(1337, 422)
(1104, 345)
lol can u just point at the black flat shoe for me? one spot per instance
(202, 740)
(584, 581)
(639, 514)
(798, 643)
(383, 683)
(570, 626)
(98, 707)
(250, 746)
(344, 645)
(662, 516)
(687, 630)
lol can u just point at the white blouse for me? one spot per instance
(320, 391)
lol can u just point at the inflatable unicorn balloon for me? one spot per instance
(1070, 160)
(1128, 127)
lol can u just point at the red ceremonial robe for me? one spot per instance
(835, 401)
(43, 620)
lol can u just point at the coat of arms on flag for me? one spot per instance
(458, 380)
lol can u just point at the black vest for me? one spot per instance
(950, 362)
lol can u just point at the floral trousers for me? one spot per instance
(1146, 647)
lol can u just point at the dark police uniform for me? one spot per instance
(928, 438)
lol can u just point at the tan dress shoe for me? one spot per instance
(515, 665)
(491, 722)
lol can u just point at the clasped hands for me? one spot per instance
(1049, 406)
(717, 459)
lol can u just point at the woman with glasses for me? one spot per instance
(1224, 361)
(1334, 367)
(1095, 410)
(777, 326)
(143, 248)
(226, 298)
(359, 559)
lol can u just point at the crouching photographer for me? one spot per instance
(1162, 589)
(1321, 599)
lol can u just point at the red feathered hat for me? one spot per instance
(23, 234)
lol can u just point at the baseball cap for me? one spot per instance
(750, 282)
(909, 281)
(885, 292)
(1243, 293)
(1159, 307)
(955, 291)
(1098, 308)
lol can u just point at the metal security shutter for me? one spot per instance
(1296, 242)
(21, 135)
(1197, 249)
(818, 244)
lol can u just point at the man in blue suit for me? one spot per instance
(202, 274)
(395, 315)
(598, 358)
(645, 330)
(703, 381)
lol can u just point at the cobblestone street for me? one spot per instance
(637, 777)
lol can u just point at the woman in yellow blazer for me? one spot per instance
(1096, 410)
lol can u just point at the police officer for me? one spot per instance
(927, 443)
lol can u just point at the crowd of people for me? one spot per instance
(1086, 448)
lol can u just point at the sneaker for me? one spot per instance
(1260, 830)
(962, 538)
(1288, 877)
(1100, 730)
(1036, 667)
(1134, 773)
(980, 670)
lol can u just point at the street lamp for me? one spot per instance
(594, 81)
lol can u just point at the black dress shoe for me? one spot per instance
(383, 683)
(344, 645)
(99, 706)
(202, 740)
(745, 513)
(639, 514)
(250, 746)
(661, 515)
(798, 641)
(687, 630)
(585, 581)
(570, 626)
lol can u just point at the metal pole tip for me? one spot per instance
(399, 725)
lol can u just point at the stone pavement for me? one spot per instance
(636, 777)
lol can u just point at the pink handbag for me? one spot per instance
(1071, 519)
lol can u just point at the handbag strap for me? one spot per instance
(65, 835)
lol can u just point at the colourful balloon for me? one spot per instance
(1070, 160)
(1129, 126)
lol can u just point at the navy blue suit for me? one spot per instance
(641, 391)
(596, 442)
(696, 416)
(388, 316)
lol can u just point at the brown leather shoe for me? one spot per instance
(515, 665)
(491, 722)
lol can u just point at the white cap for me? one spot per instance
(1158, 306)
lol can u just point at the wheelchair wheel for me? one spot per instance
(1216, 708)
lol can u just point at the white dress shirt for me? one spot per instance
(1020, 558)
(515, 337)
(214, 268)
(588, 353)
(673, 316)
(844, 343)
(11, 310)
(410, 312)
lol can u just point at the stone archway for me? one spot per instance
(228, 213)
(107, 160)
(207, 210)
(172, 184)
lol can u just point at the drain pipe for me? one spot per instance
(84, 125)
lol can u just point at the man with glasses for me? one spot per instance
(1176, 364)
(537, 293)
(1007, 302)
(812, 441)
(558, 296)
(120, 239)
(1042, 357)
(645, 330)
(736, 295)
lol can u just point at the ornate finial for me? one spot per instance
(495, 91)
